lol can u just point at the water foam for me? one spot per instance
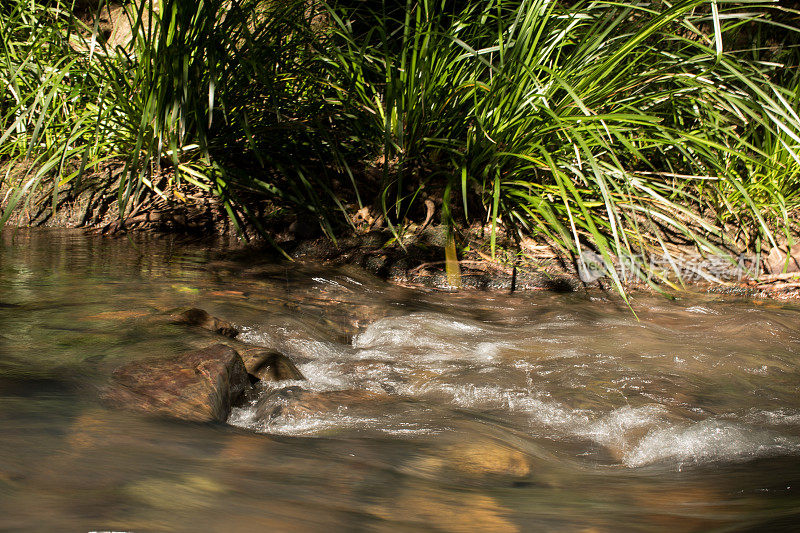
(318, 424)
(426, 337)
(441, 359)
(776, 417)
(707, 441)
(640, 435)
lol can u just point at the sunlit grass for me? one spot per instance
(596, 124)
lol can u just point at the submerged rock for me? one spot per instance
(475, 459)
(297, 403)
(486, 458)
(273, 366)
(200, 386)
(199, 318)
(417, 506)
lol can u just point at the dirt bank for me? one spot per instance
(409, 254)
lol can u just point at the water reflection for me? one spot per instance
(422, 410)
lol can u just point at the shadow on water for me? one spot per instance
(422, 410)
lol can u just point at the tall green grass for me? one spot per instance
(601, 126)
(230, 97)
(49, 118)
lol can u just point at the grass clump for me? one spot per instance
(176, 91)
(605, 127)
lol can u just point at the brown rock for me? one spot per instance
(273, 366)
(296, 403)
(482, 458)
(777, 260)
(479, 459)
(199, 318)
(200, 385)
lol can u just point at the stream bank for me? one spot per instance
(410, 254)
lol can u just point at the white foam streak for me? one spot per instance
(709, 440)
(427, 337)
(320, 424)
(643, 435)
(777, 417)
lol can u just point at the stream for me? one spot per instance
(423, 410)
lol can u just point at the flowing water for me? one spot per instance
(423, 410)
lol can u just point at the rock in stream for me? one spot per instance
(274, 366)
(296, 403)
(200, 386)
(200, 318)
